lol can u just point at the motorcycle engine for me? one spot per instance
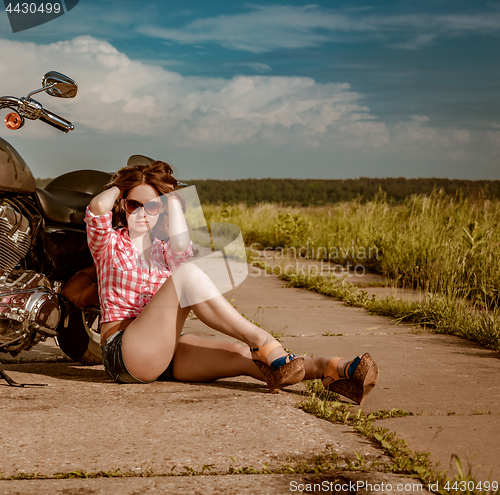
(29, 310)
(15, 238)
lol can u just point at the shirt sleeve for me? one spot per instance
(175, 260)
(99, 231)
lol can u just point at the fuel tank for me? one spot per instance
(15, 175)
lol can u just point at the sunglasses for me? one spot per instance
(152, 208)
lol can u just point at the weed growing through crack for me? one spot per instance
(445, 314)
(324, 404)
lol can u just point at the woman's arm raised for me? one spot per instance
(177, 228)
(103, 202)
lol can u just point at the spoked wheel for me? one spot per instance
(79, 336)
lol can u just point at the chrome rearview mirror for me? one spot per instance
(57, 84)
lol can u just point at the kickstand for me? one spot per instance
(12, 383)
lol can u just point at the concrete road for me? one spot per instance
(84, 422)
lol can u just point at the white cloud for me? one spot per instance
(414, 43)
(478, 23)
(256, 66)
(265, 28)
(118, 94)
(415, 136)
(125, 99)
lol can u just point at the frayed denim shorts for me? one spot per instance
(115, 366)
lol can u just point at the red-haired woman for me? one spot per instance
(142, 318)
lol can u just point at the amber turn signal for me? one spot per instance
(14, 121)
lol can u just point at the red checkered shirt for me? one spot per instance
(125, 281)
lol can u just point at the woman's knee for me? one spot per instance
(191, 277)
(187, 271)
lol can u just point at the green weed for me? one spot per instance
(320, 403)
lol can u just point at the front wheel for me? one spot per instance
(79, 336)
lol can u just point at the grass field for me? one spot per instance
(432, 242)
(445, 246)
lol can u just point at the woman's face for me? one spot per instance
(142, 221)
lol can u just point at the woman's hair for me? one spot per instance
(158, 175)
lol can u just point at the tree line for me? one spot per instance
(318, 192)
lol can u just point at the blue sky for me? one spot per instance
(266, 89)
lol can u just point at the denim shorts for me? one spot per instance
(115, 366)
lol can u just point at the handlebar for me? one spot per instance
(50, 118)
(9, 101)
(56, 121)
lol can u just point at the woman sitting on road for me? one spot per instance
(142, 318)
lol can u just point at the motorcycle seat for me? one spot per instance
(65, 198)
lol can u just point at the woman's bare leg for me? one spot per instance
(199, 359)
(150, 341)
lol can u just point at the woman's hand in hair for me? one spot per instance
(104, 202)
(168, 188)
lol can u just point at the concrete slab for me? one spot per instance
(296, 312)
(47, 351)
(355, 274)
(426, 373)
(321, 319)
(474, 438)
(83, 421)
(437, 377)
(341, 483)
(449, 384)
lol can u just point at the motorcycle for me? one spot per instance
(43, 241)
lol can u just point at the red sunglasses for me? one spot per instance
(152, 207)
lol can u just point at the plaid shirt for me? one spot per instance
(125, 281)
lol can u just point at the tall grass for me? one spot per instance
(434, 242)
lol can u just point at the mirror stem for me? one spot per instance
(40, 90)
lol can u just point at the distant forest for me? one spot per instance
(317, 192)
(314, 192)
